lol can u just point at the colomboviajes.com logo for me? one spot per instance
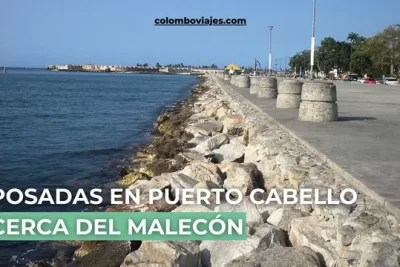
(208, 21)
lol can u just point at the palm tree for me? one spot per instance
(353, 37)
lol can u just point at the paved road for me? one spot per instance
(364, 145)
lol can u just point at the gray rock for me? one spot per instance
(346, 235)
(111, 254)
(244, 177)
(253, 216)
(277, 257)
(282, 217)
(203, 172)
(208, 185)
(351, 255)
(164, 254)
(269, 170)
(198, 138)
(260, 149)
(157, 182)
(212, 143)
(233, 123)
(306, 232)
(218, 253)
(181, 181)
(189, 156)
(204, 128)
(229, 153)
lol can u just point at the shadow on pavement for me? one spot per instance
(356, 118)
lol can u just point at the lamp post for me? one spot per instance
(270, 49)
(312, 43)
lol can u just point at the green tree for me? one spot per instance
(145, 65)
(301, 61)
(360, 62)
(158, 65)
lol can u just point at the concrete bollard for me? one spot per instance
(289, 94)
(267, 87)
(227, 77)
(318, 102)
(243, 81)
(254, 84)
(233, 80)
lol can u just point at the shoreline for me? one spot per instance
(139, 168)
(215, 140)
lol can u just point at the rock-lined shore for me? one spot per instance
(216, 140)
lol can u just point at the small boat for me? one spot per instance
(4, 70)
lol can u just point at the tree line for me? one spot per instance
(375, 56)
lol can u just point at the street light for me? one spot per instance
(270, 49)
(312, 43)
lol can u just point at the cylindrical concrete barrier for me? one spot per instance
(243, 81)
(267, 87)
(318, 102)
(227, 77)
(233, 79)
(254, 84)
(289, 94)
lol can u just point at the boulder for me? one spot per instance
(244, 177)
(255, 153)
(260, 149)
(212, 143)
(306, 232)
(219, 253)
(208, 185)
(232, 152)
(222, 111)
(181, 181)
(165, 254)
(277, 257)
(160, 166)
(198, 138)
(205, 128)
(203, 172)
(253, 216)
(294, 175)
(158, 182)
(346, 235)
(189, 156)
(132, 177)
(110, 254)
(270, 171)
(282, 217)
(233, 124)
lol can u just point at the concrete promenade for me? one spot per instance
(363, 146)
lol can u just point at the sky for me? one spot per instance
(36, 33)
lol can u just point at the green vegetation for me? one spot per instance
(376, 56)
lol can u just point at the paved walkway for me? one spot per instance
(364, 145)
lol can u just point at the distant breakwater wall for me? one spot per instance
(132, 69)
(102, 68)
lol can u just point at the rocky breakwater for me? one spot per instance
(216, 139)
